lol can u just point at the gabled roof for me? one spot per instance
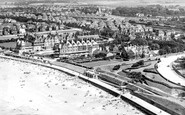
(73, 43)
(88, 42)
(84, 43)
(69, 44)
(79, 43)
(94, 42)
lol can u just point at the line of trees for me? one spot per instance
(8, 40)
(166, 47)
(154, 10)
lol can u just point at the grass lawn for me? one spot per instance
(159, 86)
(170, 105)
(8, 37)
(8, 44)
(152, 76)
(156, 77)
(99, 63)
(182, 72)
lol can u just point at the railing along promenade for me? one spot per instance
(133, 100)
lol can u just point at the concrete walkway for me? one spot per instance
(167, 72)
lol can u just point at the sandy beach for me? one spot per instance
(35, 90)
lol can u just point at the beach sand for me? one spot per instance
(35, 90)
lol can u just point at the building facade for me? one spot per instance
(81, 45)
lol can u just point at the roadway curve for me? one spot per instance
(165, 69)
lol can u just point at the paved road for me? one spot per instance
(166, 71)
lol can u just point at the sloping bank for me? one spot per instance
(156, 68)
(131, 99)
(176, 70)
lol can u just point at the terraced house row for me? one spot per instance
(78, 46)
(65, 43)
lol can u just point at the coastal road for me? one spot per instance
(167, 72)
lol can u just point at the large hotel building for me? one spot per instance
(62, 41)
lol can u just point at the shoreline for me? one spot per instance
(133, 100)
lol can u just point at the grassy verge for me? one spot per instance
(169, 106)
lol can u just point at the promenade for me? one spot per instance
(145, 106)
(167, 71)
(36, 90)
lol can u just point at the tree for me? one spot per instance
(162, 52)
(56, 47)
(115, 12)
(126, 38)
(137, 77)
(116, 67)
(111, 47)
(142, 55)
(139, 41)
(149, 23)
(155, 46)
(124, 54)
(122, 47)
(167, 49)
(30, 39)
(6, 31)
(132, 21)
(139, 63)
(182, 64)
(100, 55)
(174, 50)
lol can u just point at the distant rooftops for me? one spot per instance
(60, 31)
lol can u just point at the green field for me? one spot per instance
(8, 44)
(154, 77)
(8, 37)
(99, 63)
(167, 104)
